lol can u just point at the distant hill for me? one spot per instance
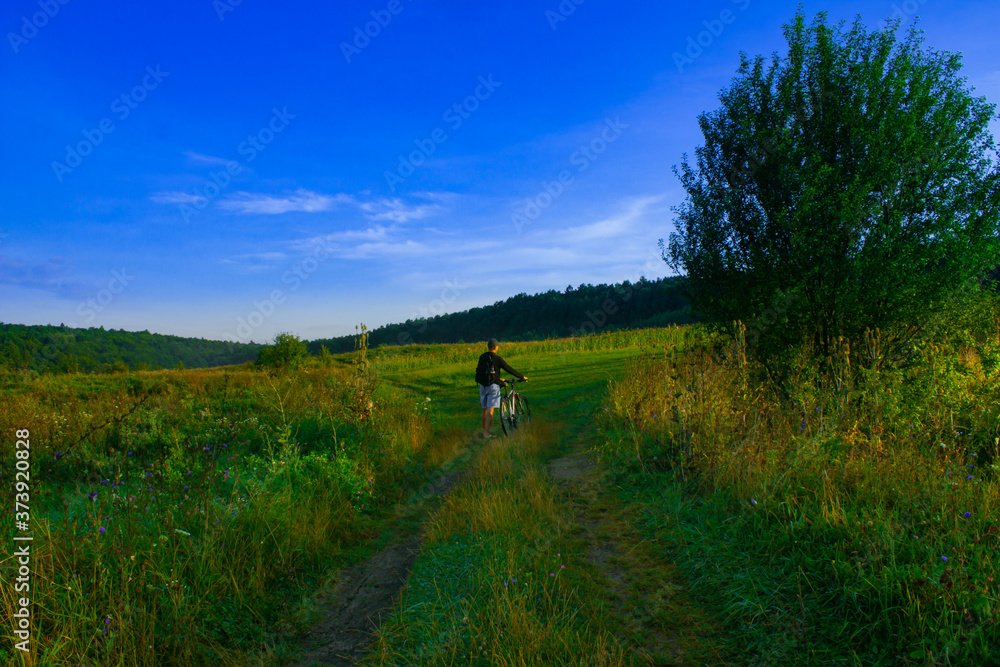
(552, 314)
(576, 311)
(63, 349)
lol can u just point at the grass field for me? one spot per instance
(505, 577)
(666, 505)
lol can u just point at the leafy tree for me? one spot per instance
(849, 184)
(286, 352)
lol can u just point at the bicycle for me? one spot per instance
(514, 411)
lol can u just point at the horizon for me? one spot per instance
(313, 340)
(180, 170)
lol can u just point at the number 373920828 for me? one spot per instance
(22, 476)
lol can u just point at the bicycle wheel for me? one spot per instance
(514, 412)
(521, 412)
(507, 415)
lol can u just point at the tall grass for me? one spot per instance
(176, 513)
(497, 582)
(392, 359)
(854, 517)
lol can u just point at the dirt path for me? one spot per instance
(363, 596)
(644, 592)
(652, 614)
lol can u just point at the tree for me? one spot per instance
(286, 352)
(850, 184)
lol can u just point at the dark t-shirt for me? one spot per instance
(488, 370)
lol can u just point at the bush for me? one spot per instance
(286, 352)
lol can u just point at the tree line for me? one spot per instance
(552, 314)
(61, 349)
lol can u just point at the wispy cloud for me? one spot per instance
(261, 204)
(175, 197)
(205, 159)
(376, 250)
(615, 226)
(397, 210)
(56, 275)
(390, 209)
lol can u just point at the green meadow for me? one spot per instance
(667, 504)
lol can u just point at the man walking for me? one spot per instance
(488, 377)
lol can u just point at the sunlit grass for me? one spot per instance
(492, 586)
(178, 516)
(854, 520)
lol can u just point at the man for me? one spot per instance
(488, 377)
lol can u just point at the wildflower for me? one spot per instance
(58, 455)
(753, 502)
(104, 483)
(968, 514)
(944, 558)
(101, 529)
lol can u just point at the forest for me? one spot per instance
(61, 349)
(576, 311)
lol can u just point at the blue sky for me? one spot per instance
(229, 170)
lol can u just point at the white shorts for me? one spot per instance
(489, 396)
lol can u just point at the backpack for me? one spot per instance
(485, 373)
